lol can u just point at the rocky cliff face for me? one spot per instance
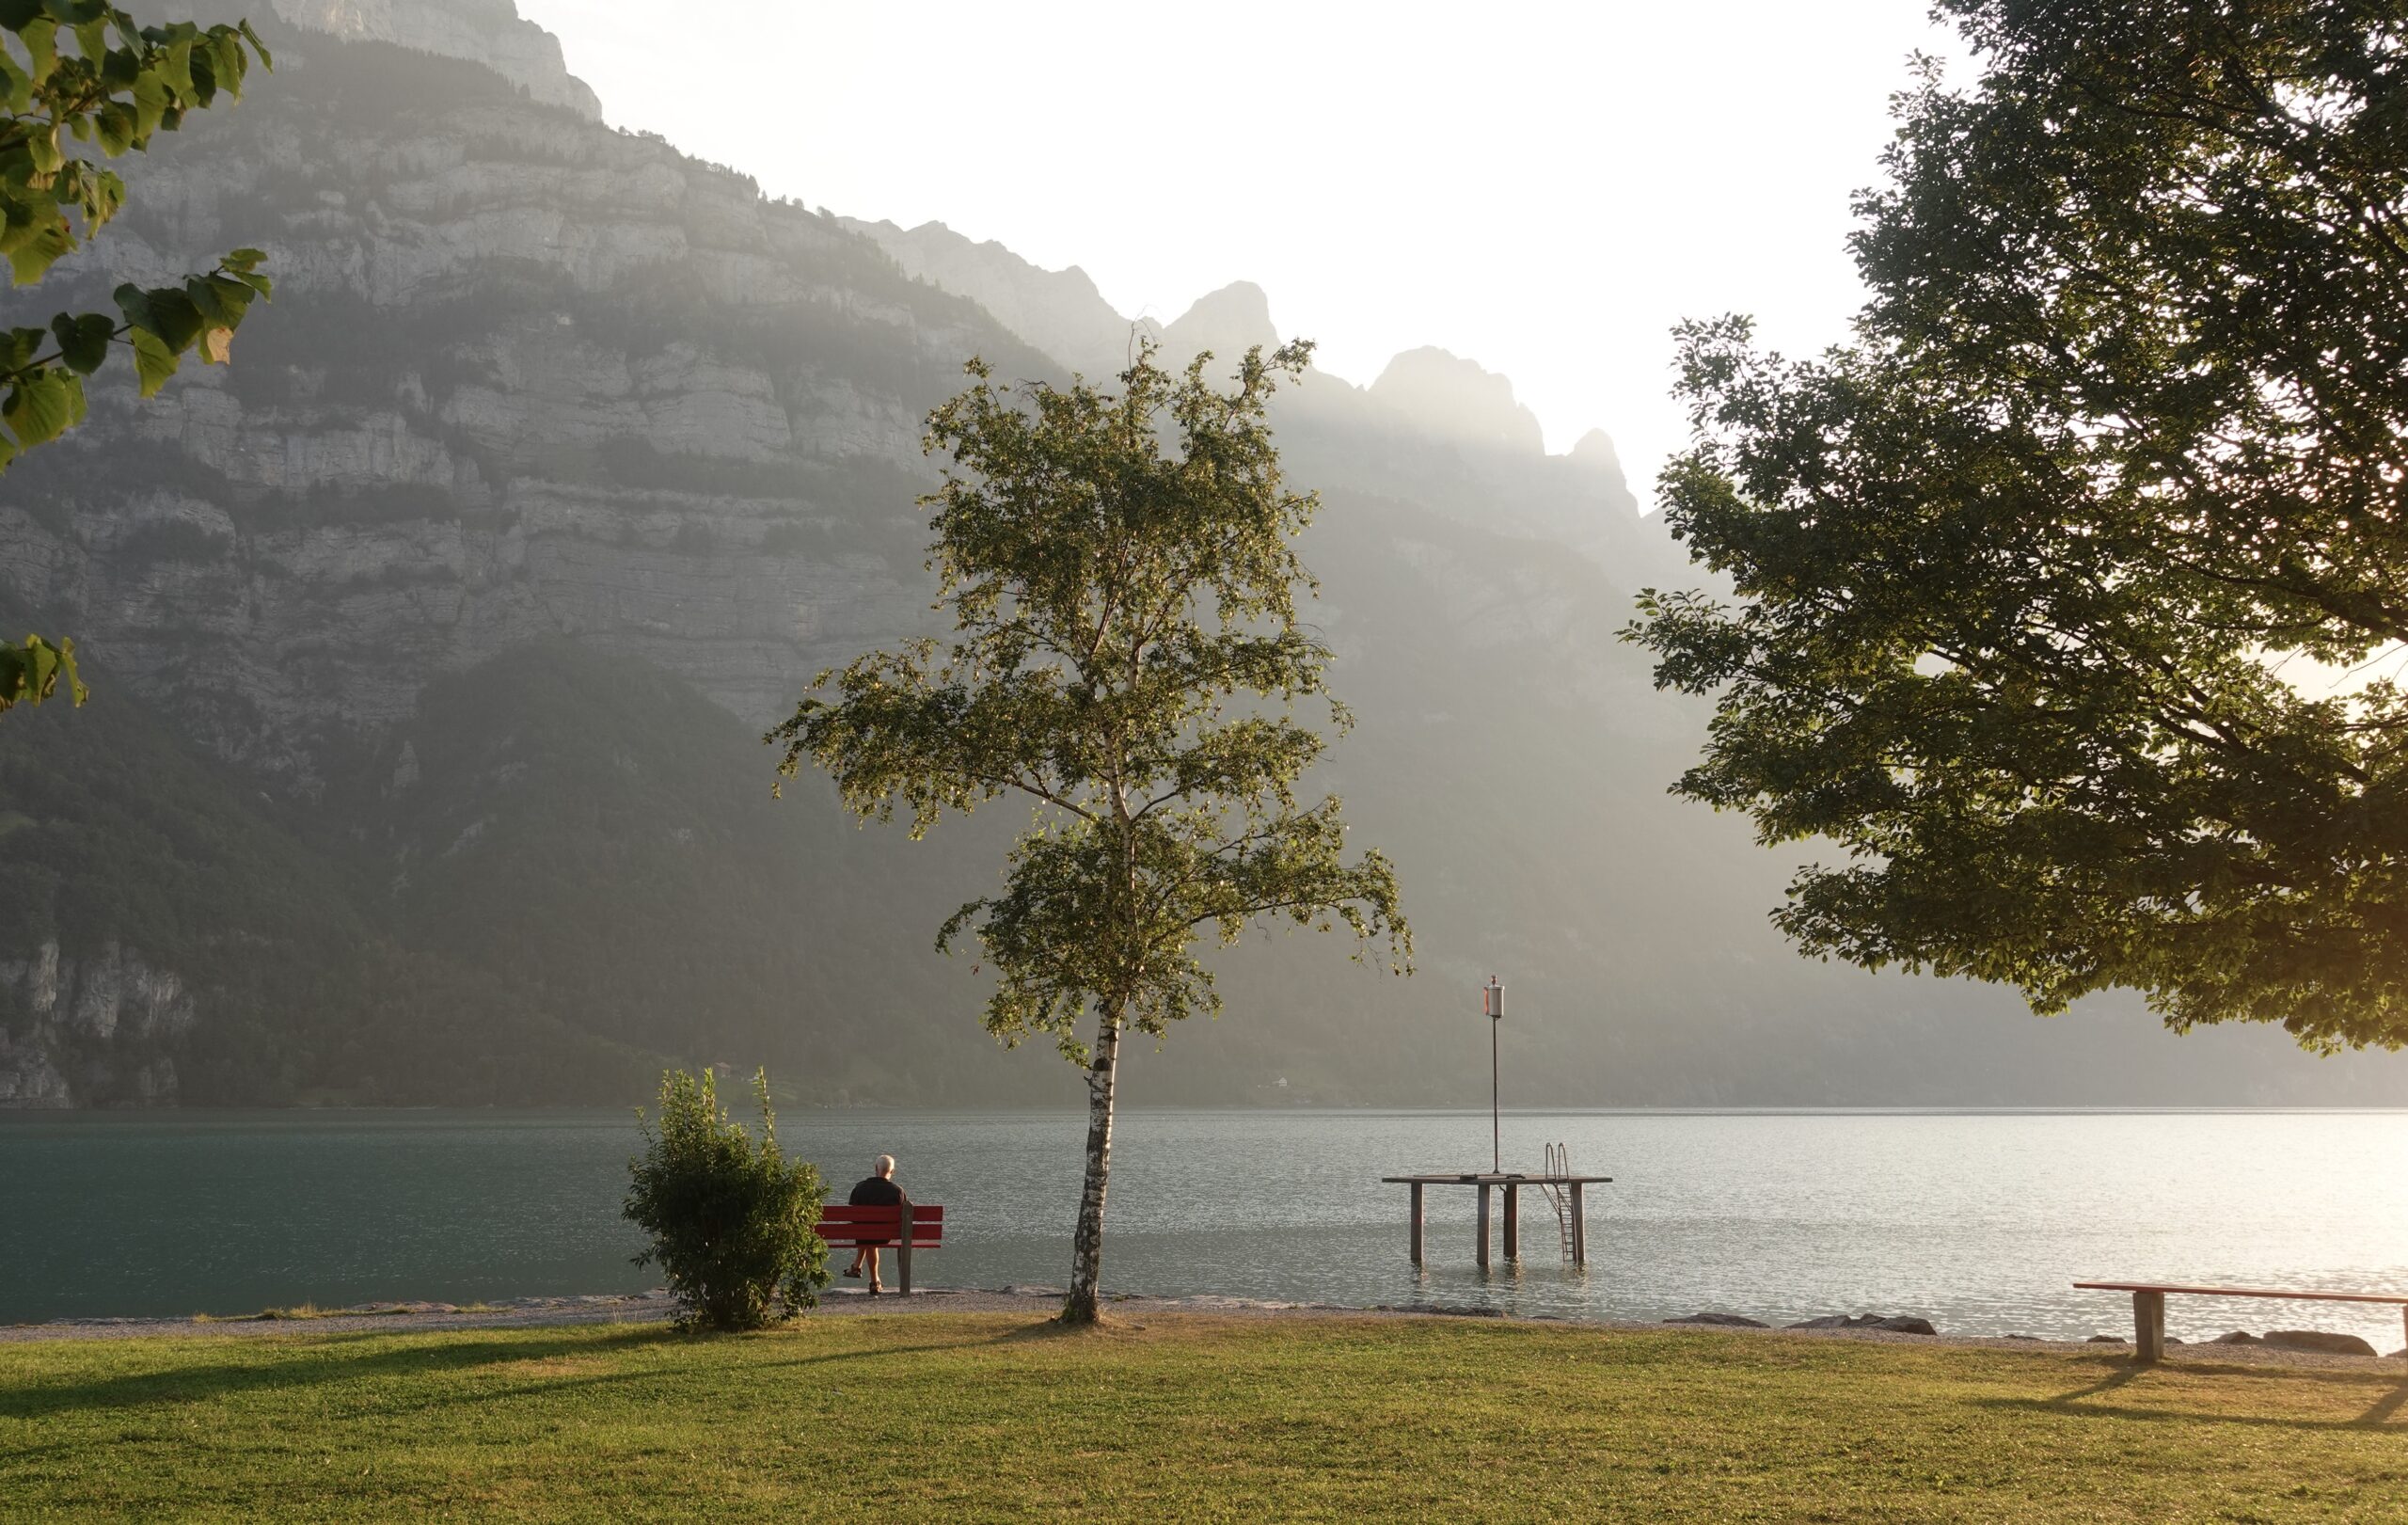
(524, 377)
(1434, 428)
(1453, 399)
(93, 1025)
(490, 32)
(1059, 311)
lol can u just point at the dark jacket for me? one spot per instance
(877, 1191)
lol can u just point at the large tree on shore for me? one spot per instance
(77, 78)
(1127, 657)
(2071, 593)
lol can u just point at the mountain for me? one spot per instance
(433, 640)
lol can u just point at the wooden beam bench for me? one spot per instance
(2149, 1306)
(845, 1227)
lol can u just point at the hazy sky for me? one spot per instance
(1543, 187)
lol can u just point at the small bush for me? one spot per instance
(731, 1219)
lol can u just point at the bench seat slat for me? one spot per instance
(2399, 1299)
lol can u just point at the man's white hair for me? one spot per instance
(885, 1165)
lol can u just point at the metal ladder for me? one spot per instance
(1558, 1163)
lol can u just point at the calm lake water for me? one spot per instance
(1975, 1221)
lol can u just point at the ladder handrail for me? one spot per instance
(1558, 1163)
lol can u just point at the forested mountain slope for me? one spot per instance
(434, 636)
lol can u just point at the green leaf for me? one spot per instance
(150, 102)
(228, 62)
(42, 246)
(42, 407)
(92, 39)
(16, 86)
(167, 312)
(221, 299)
(175, 67)
(19, 346)
(153, 361)
(40, 37)
(115, 126)
(84, 340)
(33, 671)
(41, 149)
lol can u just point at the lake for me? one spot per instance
(1978, 1221)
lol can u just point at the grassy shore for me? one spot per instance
(1176, 1418)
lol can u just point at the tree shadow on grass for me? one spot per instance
(312, 1363)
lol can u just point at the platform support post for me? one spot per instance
(1579, 1229)
(2149, 1327)
(1483, 1225)
(1512, 1223)
(1415, 1189)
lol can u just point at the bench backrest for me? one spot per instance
(2246, 1291)
(840, 1223)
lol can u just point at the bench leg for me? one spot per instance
(2149, 1327)
(1484, 1227)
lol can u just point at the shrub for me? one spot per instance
(732, 1219)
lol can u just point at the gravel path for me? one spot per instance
(1035, 1302)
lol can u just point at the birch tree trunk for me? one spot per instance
(1086, 1246)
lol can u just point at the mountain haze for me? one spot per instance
(432, 640)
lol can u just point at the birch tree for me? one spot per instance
(1128, 658)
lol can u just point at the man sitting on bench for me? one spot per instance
(875, 1190)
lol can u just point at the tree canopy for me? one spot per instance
(2071, 593)
(79, 78)
(1126, 656)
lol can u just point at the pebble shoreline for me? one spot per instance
(656, 1306)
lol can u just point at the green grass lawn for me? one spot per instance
(1176, 1418)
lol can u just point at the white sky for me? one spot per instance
(1544, 188)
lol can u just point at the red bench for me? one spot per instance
(851, 1228)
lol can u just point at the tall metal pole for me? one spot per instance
(1493, 1004)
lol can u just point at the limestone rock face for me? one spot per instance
(79, 1019)
(1455, 398)
(1060, 311)
(1227, 321)
(524, 377)
(489, 32)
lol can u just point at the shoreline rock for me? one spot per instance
(2321, 1342)
(1893, 1323)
